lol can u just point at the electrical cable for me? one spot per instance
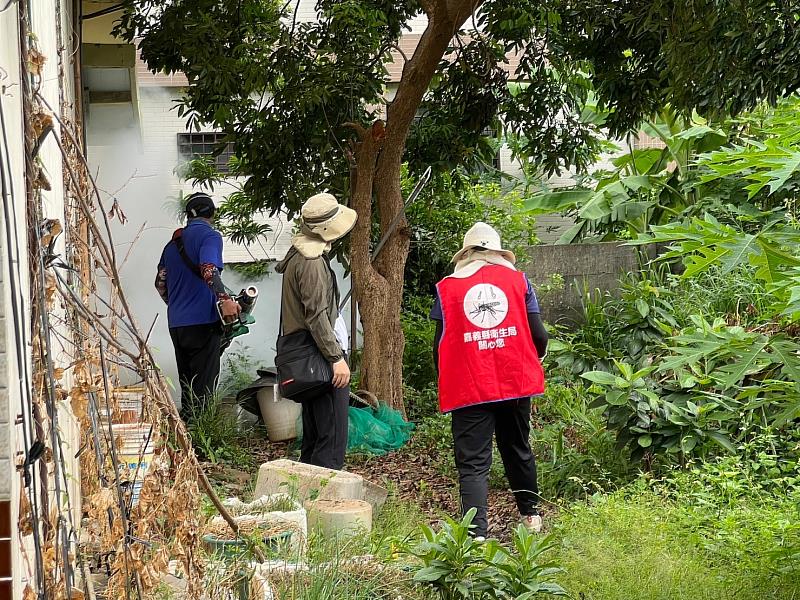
(51, 403)
(21, 342)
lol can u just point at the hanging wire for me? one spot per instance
(21, 342)
(46, 356)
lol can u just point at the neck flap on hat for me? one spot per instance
(309, 244)
(472, 261)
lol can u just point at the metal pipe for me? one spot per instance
(103, 12)
(426, 177)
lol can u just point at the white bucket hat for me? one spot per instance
(323, 220)
(328, 219)
(482, 235)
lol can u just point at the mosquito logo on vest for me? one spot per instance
(485, 305)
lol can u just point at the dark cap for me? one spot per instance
(200, 204)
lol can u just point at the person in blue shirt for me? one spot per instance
(189, 282)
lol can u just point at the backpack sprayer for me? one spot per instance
(246, 299)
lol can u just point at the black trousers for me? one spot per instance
(473, 428)
(325, 422)
(197, 352)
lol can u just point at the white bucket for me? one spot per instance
(128, 402)
(134, 455)
(280, 415)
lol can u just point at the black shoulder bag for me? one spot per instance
(303, 372)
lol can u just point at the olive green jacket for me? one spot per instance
(310, 300)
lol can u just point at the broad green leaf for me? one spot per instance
(744, 364)
(723, 440)
(617, 398)
(642, 307)
(429, 574)
(573, 233)
(637, 182)
(597, 207)
(739, 252)
(688, 443)
(557, 201)
(773, 262)
(600, 377)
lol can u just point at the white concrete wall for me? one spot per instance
(52, 34)
(135, 164)
(13, 262)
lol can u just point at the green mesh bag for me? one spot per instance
(371, 431)
(377, 431)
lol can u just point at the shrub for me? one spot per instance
(459, 567)
(418, 329)
(712, 385)
(238, 370)
(576, 456)
(215, 435)
(447, 208)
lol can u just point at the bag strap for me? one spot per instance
(177, 239)
(334, 283)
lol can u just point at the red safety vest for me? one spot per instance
(486, 353)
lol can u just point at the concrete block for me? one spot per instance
(307, 481)
(375, 495)
(333, 518)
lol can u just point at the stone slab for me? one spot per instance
(307, 482)
(376, 495)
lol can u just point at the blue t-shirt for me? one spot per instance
(191, 301)
(531, 303)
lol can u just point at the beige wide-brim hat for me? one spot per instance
(326, 218)
(482, 235)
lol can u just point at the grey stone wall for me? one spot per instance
(583, 267)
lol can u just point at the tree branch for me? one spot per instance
(459, 10)
(360, 131)
(432, 7)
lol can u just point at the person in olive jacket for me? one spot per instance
(310, 301)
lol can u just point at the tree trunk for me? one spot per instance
(378, 286)
(382, 367)
(379, 154)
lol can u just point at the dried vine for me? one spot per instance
(85, 321)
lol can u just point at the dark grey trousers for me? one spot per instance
(325, 422)
(473, 428)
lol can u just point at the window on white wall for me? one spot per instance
(195, 145)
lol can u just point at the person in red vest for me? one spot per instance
(487, 349)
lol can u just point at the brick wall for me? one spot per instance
(6, 454)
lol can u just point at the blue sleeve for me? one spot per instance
(436, 309)
(531, 303)
(211, 250)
